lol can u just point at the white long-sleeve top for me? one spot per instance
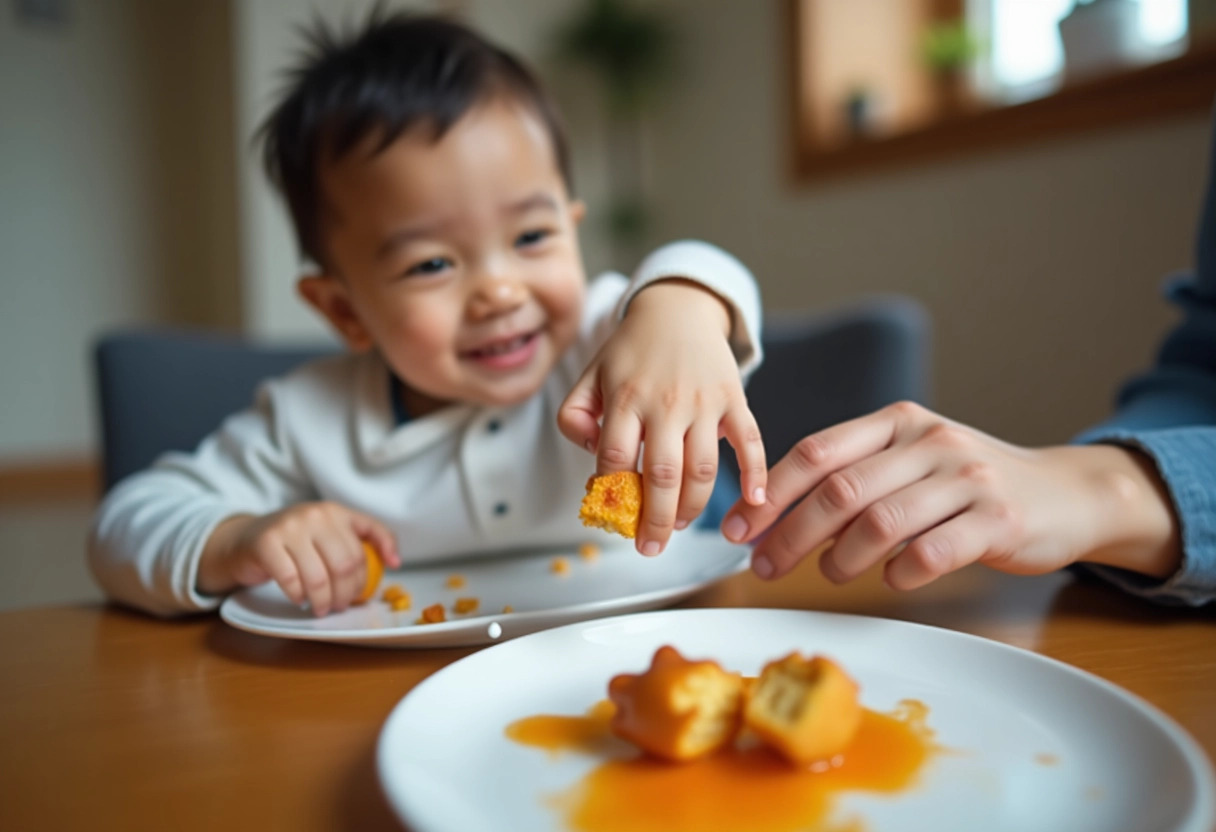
(463, 480)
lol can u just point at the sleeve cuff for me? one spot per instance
(720, 273)
(1184, 459)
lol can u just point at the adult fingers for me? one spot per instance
(943, 549)
(807, 464)
(888, 522)
(836, 501)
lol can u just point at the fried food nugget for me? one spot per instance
(461, 606)
(613, 503)
(678, 709)
(805, 709)
(434, 614)
(375, 571)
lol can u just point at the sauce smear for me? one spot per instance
(748, 789)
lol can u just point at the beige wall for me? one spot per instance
(1039, 265)
(101, 223)
(124, 148)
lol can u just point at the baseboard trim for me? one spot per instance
(49, 480)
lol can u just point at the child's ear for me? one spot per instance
(327, 294)
(578, 210)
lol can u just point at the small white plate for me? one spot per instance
(1119, 765)
(619, 580)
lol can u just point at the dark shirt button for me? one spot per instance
(501, 509)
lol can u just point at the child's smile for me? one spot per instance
(457, 259)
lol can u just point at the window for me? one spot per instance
(1023, 56)
(885, 82)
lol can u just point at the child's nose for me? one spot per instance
(496, 296)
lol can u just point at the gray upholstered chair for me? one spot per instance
(166, 390)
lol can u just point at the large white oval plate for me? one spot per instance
(619, 580)
(1119, 765)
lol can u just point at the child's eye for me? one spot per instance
(433, 266)
(531, 238)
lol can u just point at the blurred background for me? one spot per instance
(1028, 170)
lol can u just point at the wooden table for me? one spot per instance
(111, 720)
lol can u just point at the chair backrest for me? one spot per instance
(826, 368)
(162, 391)
(165, 390)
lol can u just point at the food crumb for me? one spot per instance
(559, 566)
(508, 608)
(401, 603)
(588, 551)
(455, 581)
(433, 614)
(465, 605)
(392, 592)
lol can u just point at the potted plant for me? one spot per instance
(948, 49)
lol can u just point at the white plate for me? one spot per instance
(1121, 766)
(619, 580)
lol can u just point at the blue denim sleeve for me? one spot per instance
(1169, 414)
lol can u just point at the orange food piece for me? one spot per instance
(678, 709)
(559, 566)
(401, 603)
(455, 582)
(434, 614)
(465, 605)
(588, 551)
(392, 592)
(613, 503)
(375, 571)
(508, 608)
(806, 709)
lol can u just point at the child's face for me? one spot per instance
(457, 259)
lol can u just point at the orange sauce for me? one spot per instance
(747, 789)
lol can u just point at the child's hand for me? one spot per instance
(313, 551)
(667, 376)
(954, 496)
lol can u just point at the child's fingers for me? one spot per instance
(619, 442)
(344, 560)
(700, 471)
(315, 576)
(743, 434)
(887, 523)
(377, 534)
(662, 476)
(282, 570)
(941, 550)
(578, 417)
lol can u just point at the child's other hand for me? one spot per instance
(313, 551)
(954, 496)
(667, 376)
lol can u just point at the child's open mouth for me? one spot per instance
(506, 354)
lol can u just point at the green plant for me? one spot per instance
(629, 48)
(949, 46)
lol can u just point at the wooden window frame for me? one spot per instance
(1171, 88)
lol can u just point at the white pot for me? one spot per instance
(1100, 36)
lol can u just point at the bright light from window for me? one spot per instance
(1024, 43)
